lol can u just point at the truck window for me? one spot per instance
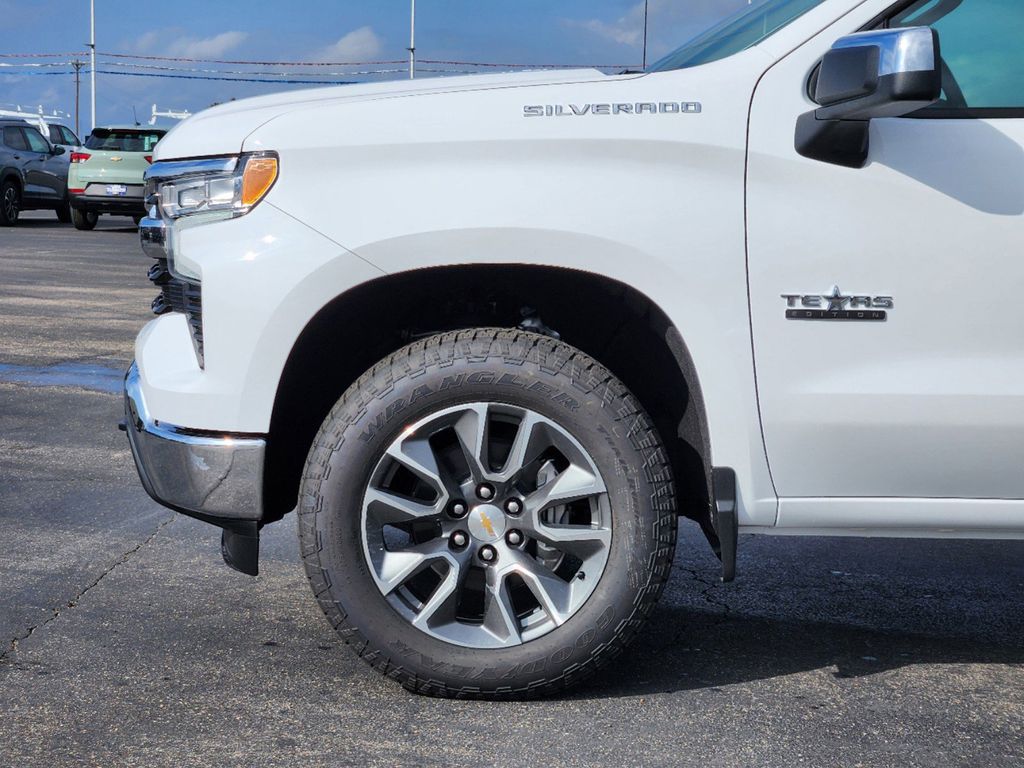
(743, 30)
(982, 50)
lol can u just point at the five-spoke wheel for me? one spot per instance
(486, 524)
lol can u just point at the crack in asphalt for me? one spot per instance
(705, 593)
(5, 657)
(723, 616)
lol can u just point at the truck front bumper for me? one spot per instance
(214, 477)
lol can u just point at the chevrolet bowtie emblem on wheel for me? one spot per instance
(837, 306)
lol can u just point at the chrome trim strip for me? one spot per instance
(220, 477)
(908, 49)
(172, 169)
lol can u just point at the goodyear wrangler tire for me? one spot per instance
(488, 513)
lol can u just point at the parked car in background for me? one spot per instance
(62, 136)
(33, 173)
(106, 174)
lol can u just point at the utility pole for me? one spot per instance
(412, 42)
(92, 53)
(78, 81)
(646, 4)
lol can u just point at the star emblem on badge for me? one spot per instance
(836, 301)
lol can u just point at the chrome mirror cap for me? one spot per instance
(911, 49)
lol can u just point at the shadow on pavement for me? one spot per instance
(685, 650)
(39, 222)
(34, 223)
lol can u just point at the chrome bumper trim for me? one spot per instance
(218, 477)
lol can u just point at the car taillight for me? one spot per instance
(79, 157)
(149, 159)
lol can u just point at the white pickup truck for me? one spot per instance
(492, 335)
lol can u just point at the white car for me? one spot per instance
(492, 335)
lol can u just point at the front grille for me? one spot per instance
(178, 295)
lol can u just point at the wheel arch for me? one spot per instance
(12, 174)
(609, 320)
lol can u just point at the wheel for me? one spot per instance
(487, 514)
(10, 203)
(84, 219)
(64, 213)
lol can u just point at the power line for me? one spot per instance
(250, 61)
(40, 55)
(130, 65)
(382, 62)
(223, 79)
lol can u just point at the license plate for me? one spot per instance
(117, 190)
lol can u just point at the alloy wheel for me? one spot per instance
(486, 525)
(10, 203)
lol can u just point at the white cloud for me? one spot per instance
(146, 42)
(171, 42)
(621, 31)
(626, 30)
(358, 45)
(665, 17)
(205, 47)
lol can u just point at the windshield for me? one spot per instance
(123, 140)
(737, 33)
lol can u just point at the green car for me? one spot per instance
(106, 174)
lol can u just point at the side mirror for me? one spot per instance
(57, 149)
(882, 73)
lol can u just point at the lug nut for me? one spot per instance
(459, 539)
(514, 538)
(488, 554)
(484, 491)
(513, 506)
(458, 509)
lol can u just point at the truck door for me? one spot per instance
(920, 391)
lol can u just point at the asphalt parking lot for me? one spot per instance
(124, 640)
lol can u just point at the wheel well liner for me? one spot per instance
(607, 319)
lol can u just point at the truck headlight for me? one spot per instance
(221, 187)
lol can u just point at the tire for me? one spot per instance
(84, 220)
(552, 627)
(10, 203)
(64, 213)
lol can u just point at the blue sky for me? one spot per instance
(505, 31)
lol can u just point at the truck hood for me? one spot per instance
(222, 129)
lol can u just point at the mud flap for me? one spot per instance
(723, 481)
(240, 547)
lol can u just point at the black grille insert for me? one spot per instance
(177, 295)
